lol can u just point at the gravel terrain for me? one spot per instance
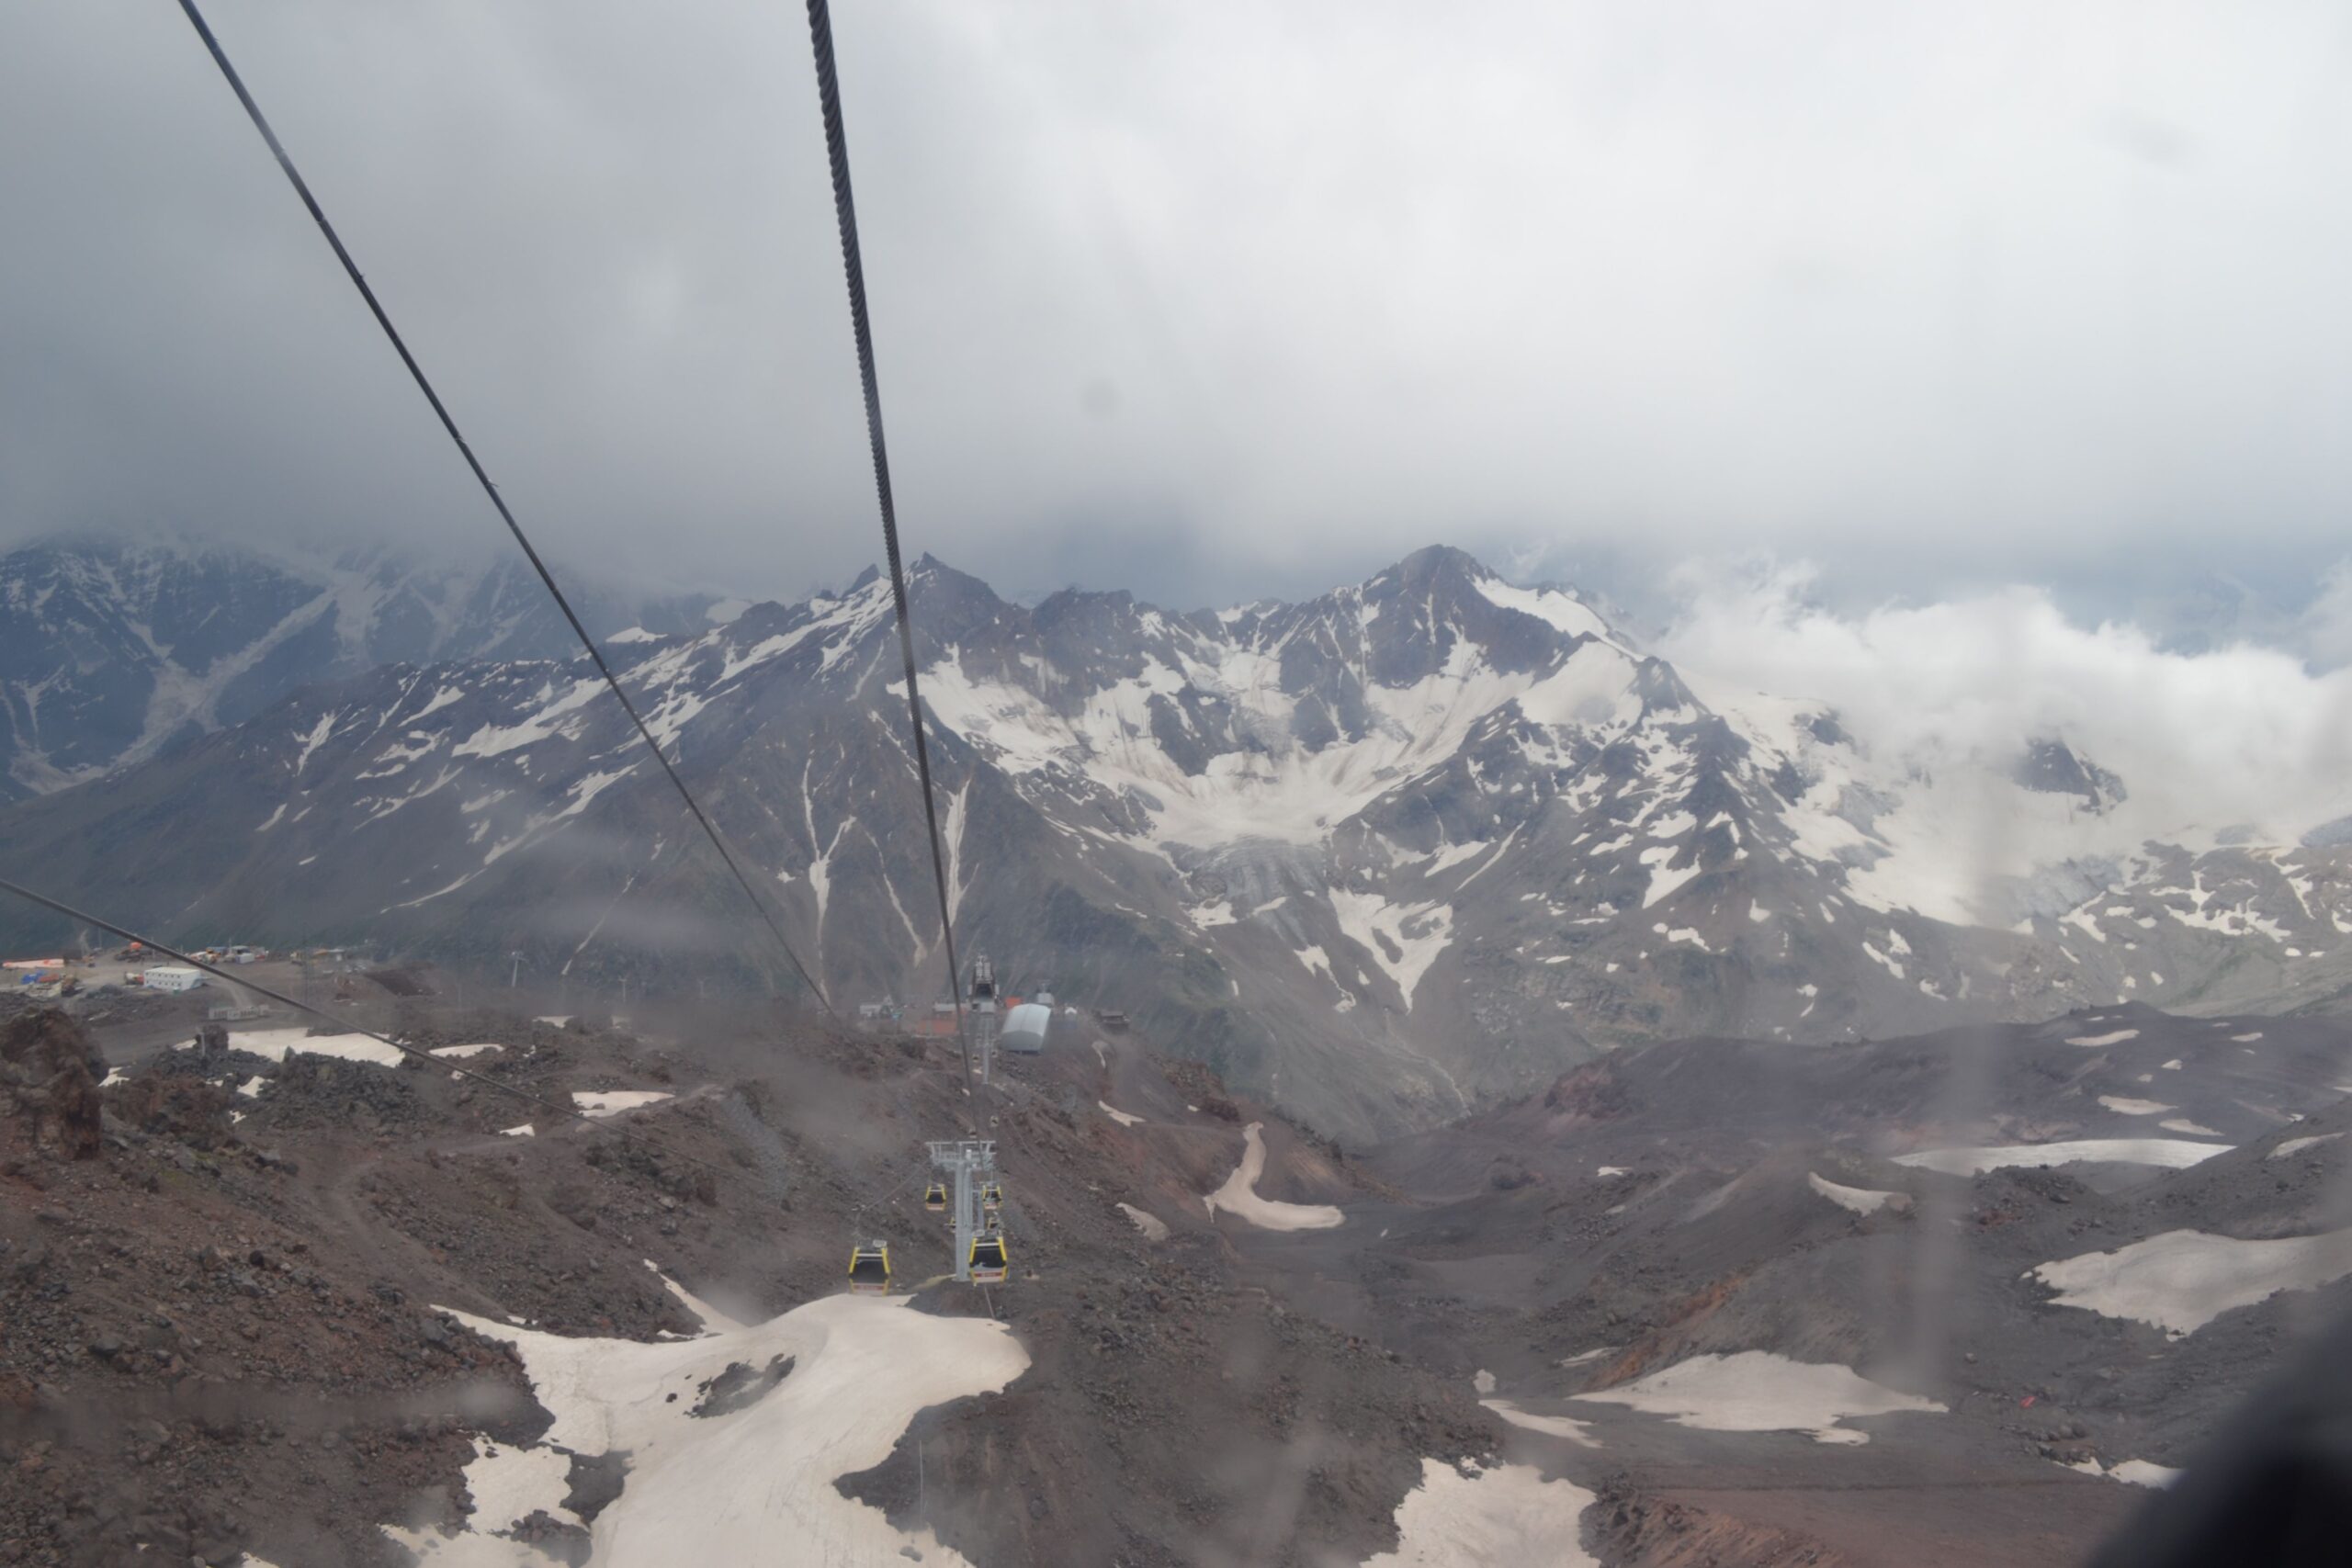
(228, 1281)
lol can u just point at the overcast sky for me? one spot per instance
(1205, 301)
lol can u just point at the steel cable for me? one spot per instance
(829, 97)
(417, 372)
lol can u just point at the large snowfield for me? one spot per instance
(753, 1486)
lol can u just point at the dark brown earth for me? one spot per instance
(222, 1335)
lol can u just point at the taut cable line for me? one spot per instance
(829, 97)
(482, 476)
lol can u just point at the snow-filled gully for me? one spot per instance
(1239, 1196)
(754, 1485)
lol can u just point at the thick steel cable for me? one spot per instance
(70, 913)
(417, 372)
(828, 97)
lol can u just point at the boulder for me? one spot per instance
(50, 1071)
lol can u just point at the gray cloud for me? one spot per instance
(1209, 300)
(2233, 734)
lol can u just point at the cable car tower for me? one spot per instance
(985, 1014)
(965, 1159)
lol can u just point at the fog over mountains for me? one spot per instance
(1388, 853)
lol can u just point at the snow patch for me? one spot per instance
(555, 718)
(2173, 1154)
(2181, 1281)
(2117, 1038)
(2134, 1471)
(1861, 1199)
(612, 1102)
(1563, 611)
(1757, 1390)
(276, 1045)
(727, 1488)
(2296, 1146)
(1664, 879)
(2124, 1106)
(1154, 1228)
(1574, 1431)
(1121, 1117)
(1503, 1517)
(312, 742)
(1414, 934)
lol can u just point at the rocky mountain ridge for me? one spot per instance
(1385, 854)
(110, 652)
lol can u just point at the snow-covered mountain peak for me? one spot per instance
(1273, 721)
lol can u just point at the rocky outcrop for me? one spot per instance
(50, 1071)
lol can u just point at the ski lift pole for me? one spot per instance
(965, 1157)
(964, 1201)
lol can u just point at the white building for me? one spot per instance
(174, 977)
(1025, 1028)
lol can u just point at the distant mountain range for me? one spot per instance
(1412, 846)
(111, 652)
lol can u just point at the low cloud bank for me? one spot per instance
(2242, 735)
